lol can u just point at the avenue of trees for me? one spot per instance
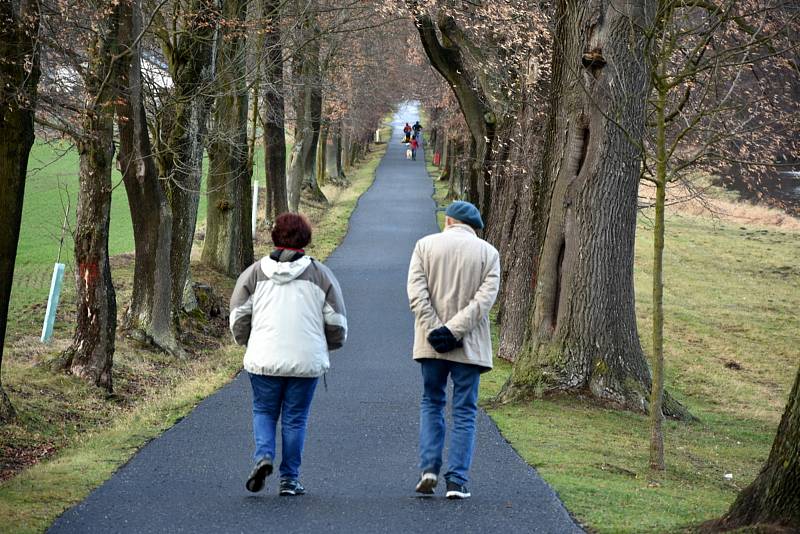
(548, 116)
(568, 109)
(153, 88)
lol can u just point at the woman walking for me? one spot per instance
(288, 309)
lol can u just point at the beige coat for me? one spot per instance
(453, 281)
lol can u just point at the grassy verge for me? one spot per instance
(71, 437)
(731, 334)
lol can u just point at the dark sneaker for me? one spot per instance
(457, 491)
(427, 481)
(290, 486)
(263, 468)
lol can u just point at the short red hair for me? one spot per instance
(291, 230)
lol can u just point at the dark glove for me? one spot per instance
(442, 340)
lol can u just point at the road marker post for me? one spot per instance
(254, 216)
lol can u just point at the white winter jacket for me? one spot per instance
(289, 314)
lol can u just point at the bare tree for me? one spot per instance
(273, 117)
(91, 353)
(707, 102)
(189, 44)
(228, 245)
(148, 317)
(19, 77)
(582, 335)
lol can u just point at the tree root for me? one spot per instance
(162, 343)
(512, 393)
(7, 411)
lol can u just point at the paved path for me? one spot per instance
(360, 457)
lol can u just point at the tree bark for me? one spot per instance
(273, 121)
(19, 76)
(322, 155)
(514, 233)
(228, 246)
(446, 159)
(191, 65)
(774, 496)
(582, 336)
(657, 390)
(91, 353)
(148, 318)
(334, 156)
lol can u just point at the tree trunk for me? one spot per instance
(311, 182)
(333, 154)
(191, 65)
(149, 316)
(774, 496)
(347, 150)
(228, 246)
(582, 335)
(322, 154)
(441, 148)
(446, 160)
(515, 234)
(657, 390)
(474, 191)
(455, 184)
(308, 111)
(19, 57)
(273, 120)
(92, 351)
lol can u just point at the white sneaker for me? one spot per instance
(457, 491)
(427, 481)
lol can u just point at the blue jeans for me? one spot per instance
(289, 398)
(432, 427)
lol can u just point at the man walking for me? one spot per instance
(453, 281)
(417, 128)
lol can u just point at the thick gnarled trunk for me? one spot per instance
(191, 65)
(228, 246)
(19, 71)
(148, 318)
(582, 336)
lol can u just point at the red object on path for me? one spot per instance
(437, 158)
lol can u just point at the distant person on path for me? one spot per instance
(288, 309)
(453, 281)
(417, 128)
(414, 146)
(407, 132)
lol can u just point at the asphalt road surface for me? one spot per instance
(360, 465)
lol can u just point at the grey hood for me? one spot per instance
(284, 272)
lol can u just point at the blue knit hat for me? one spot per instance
(465, 212)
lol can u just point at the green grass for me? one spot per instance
(74, 435)
(731, 296)
(50, 192)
